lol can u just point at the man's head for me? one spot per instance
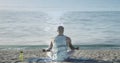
(60, 29)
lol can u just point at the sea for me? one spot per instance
(40, 47)
(36, 29)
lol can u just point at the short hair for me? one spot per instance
(60, 27)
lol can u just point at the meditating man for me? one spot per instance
(59, 46)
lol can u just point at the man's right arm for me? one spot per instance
(49, 49)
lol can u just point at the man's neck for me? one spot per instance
(60, 34)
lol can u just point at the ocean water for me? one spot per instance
(40, 47)
(38, 28)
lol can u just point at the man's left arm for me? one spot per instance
(70, 44)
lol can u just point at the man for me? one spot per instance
(58, 49)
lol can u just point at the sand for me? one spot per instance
(100, 56)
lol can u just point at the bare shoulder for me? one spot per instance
(68, 38)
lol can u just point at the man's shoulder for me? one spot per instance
(63, 35)
(67, 37)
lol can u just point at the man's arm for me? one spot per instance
(70, 44)
(49, 49)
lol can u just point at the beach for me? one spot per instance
(100, 56)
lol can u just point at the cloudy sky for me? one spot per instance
(62, 5)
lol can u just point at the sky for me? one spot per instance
(61, 5)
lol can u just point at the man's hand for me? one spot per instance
(43, 50)
(77, 48)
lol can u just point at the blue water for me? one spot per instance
(81, 47)
(38, 28)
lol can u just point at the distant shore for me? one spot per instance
(12, 56)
